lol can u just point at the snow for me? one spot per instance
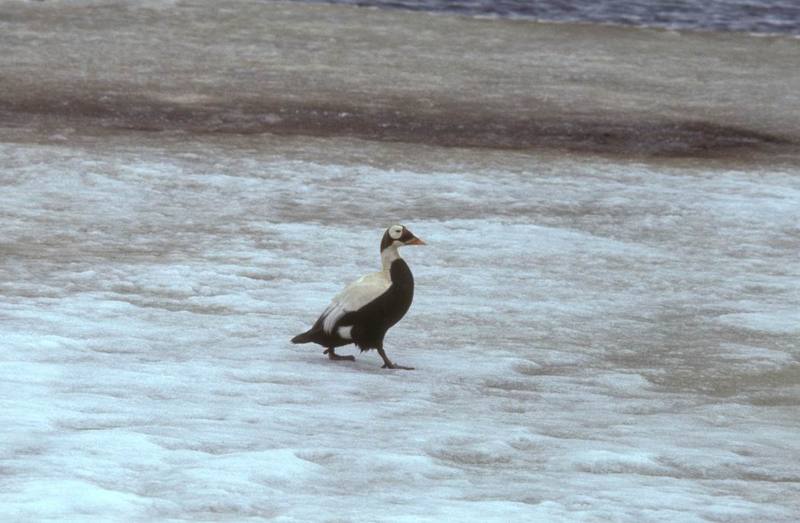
(594, 340)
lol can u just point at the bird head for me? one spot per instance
(398, 236)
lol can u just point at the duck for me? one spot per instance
(367, 308)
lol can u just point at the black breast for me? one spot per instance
(371, 322)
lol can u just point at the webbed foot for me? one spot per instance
(333, 356)
(387, 363)
(395, 366)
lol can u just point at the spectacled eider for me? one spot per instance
(368, 307)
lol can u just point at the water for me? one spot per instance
(765, 16)
(605, 324)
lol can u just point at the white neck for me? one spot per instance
(388, 255)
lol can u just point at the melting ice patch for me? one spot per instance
(776, 322)
(594, 341)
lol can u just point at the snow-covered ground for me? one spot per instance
(593, 340)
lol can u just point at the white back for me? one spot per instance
(354, 296)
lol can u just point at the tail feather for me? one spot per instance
(305, 337)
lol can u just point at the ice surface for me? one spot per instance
(594, 341)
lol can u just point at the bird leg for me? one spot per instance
(333, 356)
(387, 363)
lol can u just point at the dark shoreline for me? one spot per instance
(452, 126)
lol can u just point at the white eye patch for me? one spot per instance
(395, 232)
